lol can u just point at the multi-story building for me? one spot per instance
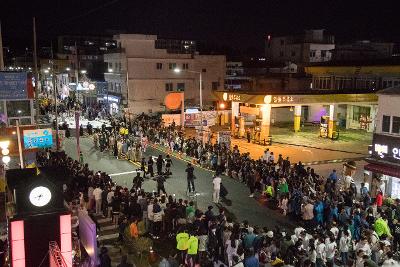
(384, 162)
(362, 50)
(141, 72)
(312, 46)
(235, 76)
(90, 50)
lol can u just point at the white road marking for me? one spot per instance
(122, 173)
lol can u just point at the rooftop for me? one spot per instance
(395, 90)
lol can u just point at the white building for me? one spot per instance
(312, 46)
(142, 73)
(384, 163)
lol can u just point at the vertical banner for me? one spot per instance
(78, 150)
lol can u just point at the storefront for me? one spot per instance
(383, 166)
(257, 112)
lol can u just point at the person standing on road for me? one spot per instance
(217, 187)
(168, 163)
(98, 199)
(190, 178)
(160, 184)
(150, 166)
(159, 163)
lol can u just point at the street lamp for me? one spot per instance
(178, 70)
(4, 151)
(67, 69)
(83, 71)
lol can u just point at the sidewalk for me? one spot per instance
(329, 153)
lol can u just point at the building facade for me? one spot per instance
(384, 161)
(360, 77)
(310, 47)
(141, 72)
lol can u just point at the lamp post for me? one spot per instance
(178, 70)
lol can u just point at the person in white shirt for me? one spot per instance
(97, 197)
(364, 246)
(217, 187)
(321, 253)
(334, 230)
(265, 157)
(330, 248)
(344, 246)
(109, 200)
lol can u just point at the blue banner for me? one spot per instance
(39, 138)
(13, 85)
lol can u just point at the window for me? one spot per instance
(359, 112)
(396, 125)
(215, 85)
(110, 65)
(203, 70)
(172, 66)
(293, 53)
(281, 53)
(159, 66)
(169, 87)
(312, 53)
(180, 87)
(386, 124)
(185, 66)
(323, 53)
(282, 42)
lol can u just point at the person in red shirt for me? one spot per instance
(379, 199)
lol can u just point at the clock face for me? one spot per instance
(40, 196)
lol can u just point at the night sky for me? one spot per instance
(239, 24)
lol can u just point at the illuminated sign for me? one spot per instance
(282, 99)
(386, 147)
(231, 97)
(39, 138)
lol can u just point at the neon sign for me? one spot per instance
(282, 99)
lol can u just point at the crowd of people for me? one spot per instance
(338, 223)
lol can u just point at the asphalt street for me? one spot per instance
(241, 207)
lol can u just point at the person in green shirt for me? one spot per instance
(182, 241)
(193, 245)
(190, 210)
(182, 245)
(381, 227)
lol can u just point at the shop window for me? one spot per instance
(358, 112)
(18, 108)
(396, 125)
(386, 124)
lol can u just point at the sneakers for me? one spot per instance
(251, 195)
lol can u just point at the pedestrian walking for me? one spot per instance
(217, 187)
(190, 178)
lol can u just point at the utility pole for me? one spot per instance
(1, 51)
(55, 94)
(76, 72)
(36, 75)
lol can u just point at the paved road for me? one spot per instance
(242, 206)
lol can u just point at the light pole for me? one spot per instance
(178, 70)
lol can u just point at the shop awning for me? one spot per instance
(383, 169)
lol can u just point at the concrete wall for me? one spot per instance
(387, 105)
